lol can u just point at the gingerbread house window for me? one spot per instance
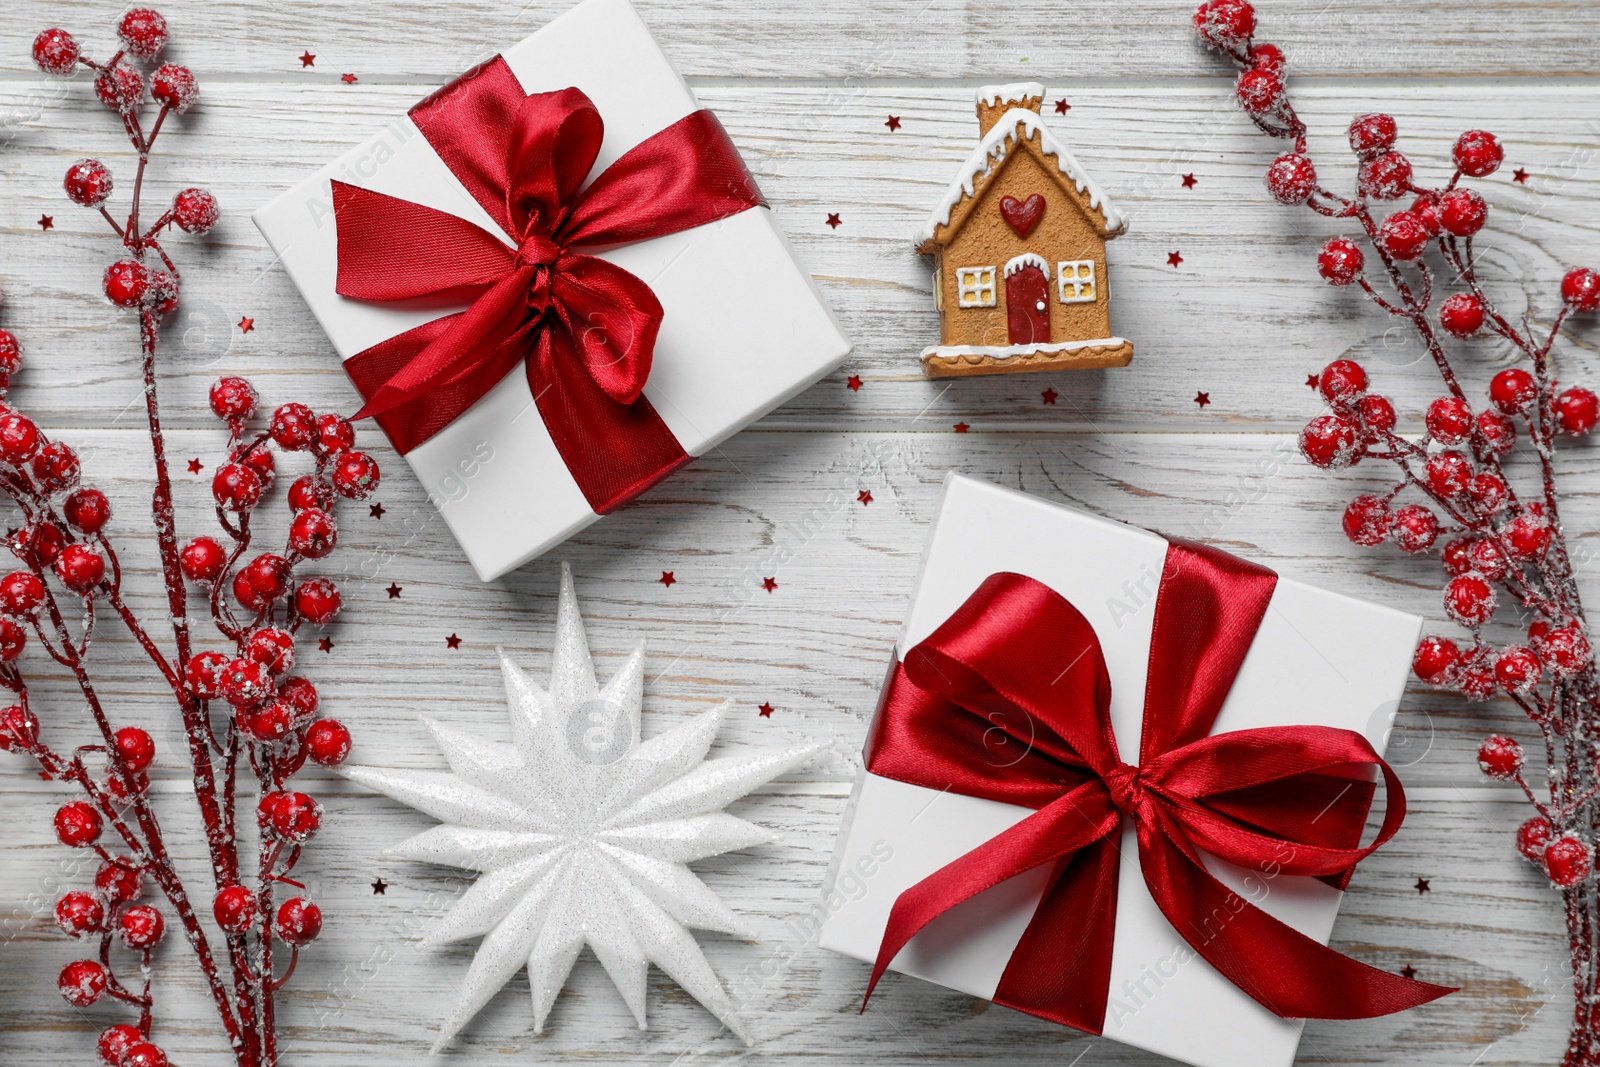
(975, 287)
(1075, 281)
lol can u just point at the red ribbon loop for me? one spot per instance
(584, 328)
(1009, 700)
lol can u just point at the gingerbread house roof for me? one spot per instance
(1015, 127)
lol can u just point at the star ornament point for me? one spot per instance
(582, 833)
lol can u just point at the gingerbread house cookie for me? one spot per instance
(1019, 247)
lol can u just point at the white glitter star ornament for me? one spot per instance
(582, 833)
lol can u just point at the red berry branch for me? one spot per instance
(242, 711)
(1499, 545)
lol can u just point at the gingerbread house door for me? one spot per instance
(1028, 305)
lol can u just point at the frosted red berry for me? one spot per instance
(1330, 442)
(312, 533)
(246, 683)
(1414, 528)
(1259, 91)
(1376, 414)
(327, 742)
(55, 52)
(78, 824)
(195, 211)
(269, 722)
(236, 487)
(1497, 431)
(1342, 380)
(294, 427)
(308, 492)
(162, 295)
(1580, 288)
(298, 922)
(87, 509)
(1224, 23)
(301, 695)
(1448, 474)
(119, 88)
(272, 648)
(1462, 212)
(334, 434)
(1461, 315)
(10, 354)
(1449, 420)
(119, 881)
(1340, 261)
(144, 1054)
(115, 1041)
(1403, 236)
(1478, 153)
(136, 747)
(203, 674)
(1425, 209)
(232, 398)
(88, 182)
(1385, 177)
(56, 467)
(1566, 650)
(1512, 390)
(1456, 555)
(269, 575)
(126, 282)
(1469, 599)
(1577, 410)
(1568, 859)
(1367, 520)
(81, 983)
(144, 32)
(234, 908)
(40, 543)
(80, 568)
(19, 438)
(173, 86)
(19, 729)
(1488, 493)
(79, 914)
(1527, 536)
(13, 638)
(261, 462)
(21, 594)
(1500, 757)
(1435, 659)
(1267, 56)
(318, 600)
(1475, 677)
(202, 559)
(1517, 669)
(355, 475)
(141, 927)
(1533, 837)
(1371, 135)
(294, 817)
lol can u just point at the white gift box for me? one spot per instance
(745, 327)
(1318, 659)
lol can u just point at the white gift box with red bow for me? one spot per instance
(744, 328)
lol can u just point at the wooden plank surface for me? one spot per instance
(805, 90)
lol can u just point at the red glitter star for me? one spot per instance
(246, 324)
(375, 510)
(833, 220)
(307, 59)
(1311, 381)
(1408, 971)
(46, 222)
(962, 427)
(1173, 259)
(195, 466)
(379, 886)
(1062, 107)
(1202, 398)
(1050, 396)
(325, 644)
(394, 591)
(865, 497)
(1422, 885)
(666, 579)
(893, 123)
(1188, 181)
(1519, 176)
(452, 641)
(853, 383)
(348, 79)
(769, 584)
(766, 710)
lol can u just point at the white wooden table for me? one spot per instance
(806, 89)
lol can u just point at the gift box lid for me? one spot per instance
(745, 329)
(1319, 658)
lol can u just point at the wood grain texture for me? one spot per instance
(805, 90)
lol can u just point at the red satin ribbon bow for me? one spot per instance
(1009, 700)
(584, 328)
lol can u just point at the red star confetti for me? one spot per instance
(893, 123)
(324, 644)
(379, 886)
(1173, 259)
(766, 710)
(1519, 176)
(1188, 181)
(246, 324)
(962, 427)
(666, 579)
(865, 497)
(1050, 396)
(1202, 398)
(1062, 107)
(853, 383)
(452, 641)
(46, 222)
(1311, 381)
(375, 510)
(348, 79)
(769, 584)
(1408, 971)
(195, 466)
(307, 59)
(1422, 885)
(394, 591)
(833, 220)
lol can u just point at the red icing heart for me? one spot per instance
(1023, 215)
